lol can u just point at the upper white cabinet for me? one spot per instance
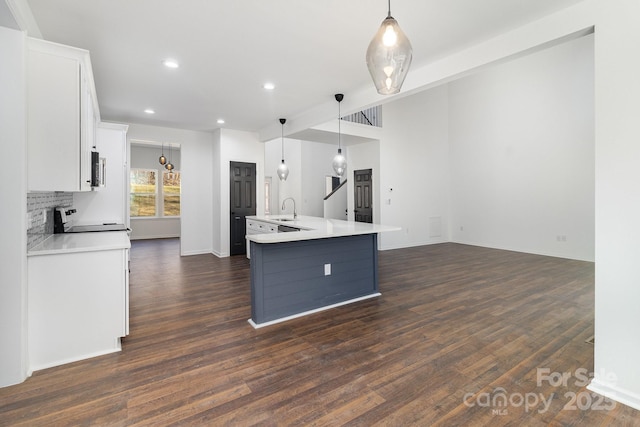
(62, 117)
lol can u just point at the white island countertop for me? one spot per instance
(312, 227)
(81, 242)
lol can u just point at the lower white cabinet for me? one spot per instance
(77, 305)
(258, 227)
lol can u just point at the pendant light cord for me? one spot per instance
(389, 12)
(282, 139)
(339, 131)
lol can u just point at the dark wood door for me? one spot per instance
(362, 201)
(242, 177)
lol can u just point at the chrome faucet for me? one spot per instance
(295, 215)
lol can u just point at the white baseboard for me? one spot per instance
(154, 236)
(38, 367)
(411, 245)
(315, 310)
(615, 393)
(196, 252)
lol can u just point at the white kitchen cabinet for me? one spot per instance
(61, 117)
(109, 203)
(255, 226)
(78, 302)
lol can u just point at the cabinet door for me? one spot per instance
(53, 122)
(76, 306)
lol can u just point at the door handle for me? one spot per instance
(237, 218)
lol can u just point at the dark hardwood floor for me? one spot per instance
(456, 339)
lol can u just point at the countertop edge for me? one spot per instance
(339, 228)
(57, 244)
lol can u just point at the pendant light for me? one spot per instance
(339, 162)
(283, 170)
(169, 166)
(389, 56)
(162, 159)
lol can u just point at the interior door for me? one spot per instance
(363, 192)
(242, 177)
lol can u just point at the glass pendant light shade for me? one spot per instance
(389, 56)
(162, 159)
(283, 169)
(339, 161)
(169, 165)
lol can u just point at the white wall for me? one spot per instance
(336, 205)
(522, 154)
(13, 179)
(414, 170)
(293, 186)
(235, 146)
(216, 193)
(196, 154)
(316, 161)
(617, 90)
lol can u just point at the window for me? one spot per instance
(267, 195)
(149, 199)
(171, 193)
(143, 192)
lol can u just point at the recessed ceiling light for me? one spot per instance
(269, 86)
(170, 63)
(220, 121)
(149, 111)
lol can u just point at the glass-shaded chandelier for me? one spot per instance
(389, 56)
(339, 162)
(283, 170)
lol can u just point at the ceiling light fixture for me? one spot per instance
(162, 159)
(339, 162)
(220, 121)
(283, 170)
(149, 111)
(269, 86)
(170, 63)
(169, 166)
(389, 56)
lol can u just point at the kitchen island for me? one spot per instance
(316, 265)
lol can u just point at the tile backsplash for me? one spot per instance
(36, 204)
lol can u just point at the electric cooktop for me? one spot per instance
(95, 228)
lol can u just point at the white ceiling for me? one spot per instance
(228, 49)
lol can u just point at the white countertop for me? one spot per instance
(81, 242)
(314, 228)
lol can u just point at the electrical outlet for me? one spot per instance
(327, 269)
